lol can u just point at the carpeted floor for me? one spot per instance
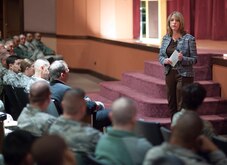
(85, 81)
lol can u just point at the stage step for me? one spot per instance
(155, 69)
(218, 121)
(148, 90)
(156, 87)
(153, 106)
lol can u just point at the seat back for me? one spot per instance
(14, 104)
(21, 95)
(165, 133)
(2, 118)
(58, 106)
(149, 130)
(221, 142)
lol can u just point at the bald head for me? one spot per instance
(123, 111)
(73, 102)
(188, 127)
(39, 92)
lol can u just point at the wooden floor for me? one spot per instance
(210, 46)
(87, 82)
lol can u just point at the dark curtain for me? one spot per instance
(205, 19)
(186, 7)
(219, 21)
(136, 19)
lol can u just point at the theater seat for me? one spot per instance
(221, 142)
(149, 130)
(15, 99)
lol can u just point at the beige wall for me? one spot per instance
(71, 17)
(100, 18)
(108, 19)
(50, 42)
(93, 18)
(110, 60)
(219, 73)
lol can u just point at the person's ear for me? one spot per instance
(10, 66)
(110, 115)
(42, 67)
(62, 75)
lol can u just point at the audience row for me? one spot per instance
(119, 145)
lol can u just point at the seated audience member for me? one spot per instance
(47, 52)
(13, 66)
(27, 67)
(16, 148)
(59, 74)
(41, 46)
(18, 50)
(79, 136)
(3, 56)
(33, 117)
(9, 46)
(41, 67)
(28, 42)
(186, 141)
(120, 145)
(31, 53)
(27, 71)
(52, 150)
(192, 97)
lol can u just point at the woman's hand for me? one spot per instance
(167, 61)
(180, 56)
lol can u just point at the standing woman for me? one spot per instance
(182, 73)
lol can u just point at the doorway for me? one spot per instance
(11, 18)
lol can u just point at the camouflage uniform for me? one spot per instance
(30, 46)
(26, 81)
(3, 71)
(79, 136)
(11, 78)
(33, 120)
(42, 47)
(208, 128)
(22, 53)
(188, 157)
(32, 54)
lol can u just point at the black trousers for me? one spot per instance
(174, 85)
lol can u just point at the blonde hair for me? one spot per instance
(178, 16)
(25, 63)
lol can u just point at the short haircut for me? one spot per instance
(11, 60)
(123, 111)
(25, 63)
(188, 127)
(193, 96)
(39, 92)
(16, 145)
(49, 150)
(56, 68)
(39, 63)
(73, 100)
